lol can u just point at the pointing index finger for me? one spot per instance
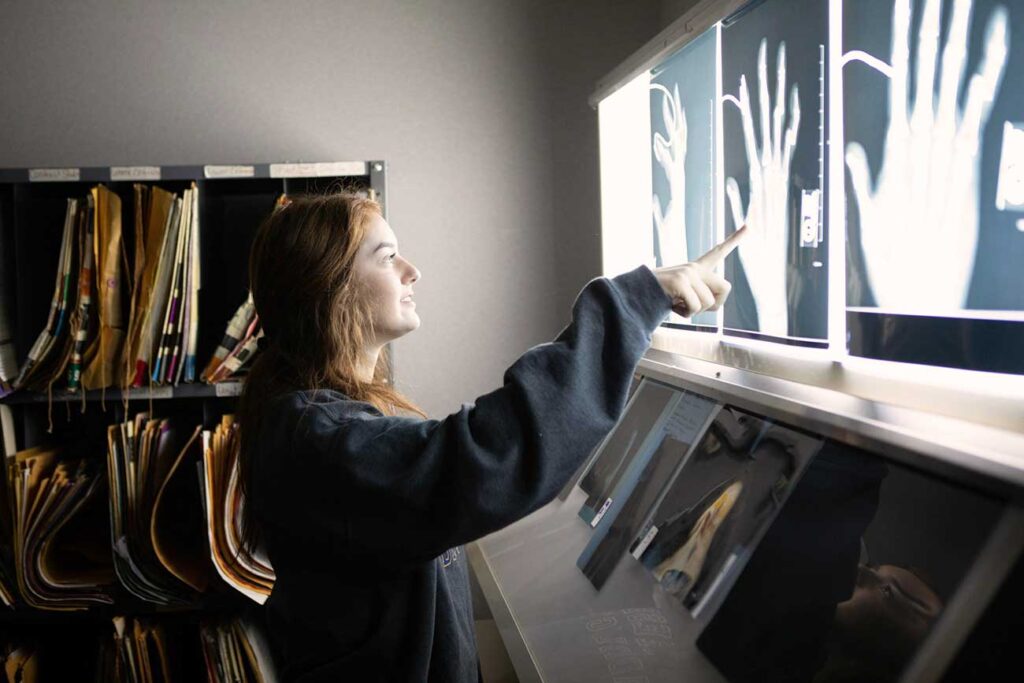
(717, 253)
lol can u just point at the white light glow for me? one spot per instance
(624, 121)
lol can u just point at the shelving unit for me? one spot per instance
(233, 200)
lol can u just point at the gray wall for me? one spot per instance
(479, 107)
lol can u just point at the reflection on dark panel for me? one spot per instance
(994, 646)
(986, 345)
(849, 580)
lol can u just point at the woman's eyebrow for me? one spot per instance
(383, 245)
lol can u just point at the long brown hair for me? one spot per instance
(315, 319)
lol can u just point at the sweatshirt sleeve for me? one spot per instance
(407, 489)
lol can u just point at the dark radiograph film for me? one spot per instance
(719, 503)
(634, 384)
(683, 156)
(933, 113)
(615, 454)
(852, 575)
(773, 89)
(639, 487)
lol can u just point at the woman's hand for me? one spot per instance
(695, 287)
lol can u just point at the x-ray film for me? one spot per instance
(645, 411)
(638, 490)
(718, 505)
(933, 120)
(683, 157)
(774, 154)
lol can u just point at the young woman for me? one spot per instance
(363, 503)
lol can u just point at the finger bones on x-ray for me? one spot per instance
(919, 219)
(670, 152)
(764, 251)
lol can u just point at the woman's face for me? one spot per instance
(890, 612)
(387, 279)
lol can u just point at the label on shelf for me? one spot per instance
(293, 170)
(315, 170)
(54, 175)
(227, 389)
(134, 173)
(341, 168)
(155, 392)
(229, 171)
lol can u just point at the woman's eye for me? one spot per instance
(391, 257)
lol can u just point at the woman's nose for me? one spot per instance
(413, 273)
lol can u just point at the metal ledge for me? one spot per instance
(966, 451)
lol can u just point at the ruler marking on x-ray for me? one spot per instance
(821, 143)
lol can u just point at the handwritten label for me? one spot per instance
(155, 392)
(810, 235)
(318, 170)
(1010, 189)
(135, 173)
(227, 389)
(600, 513)
(645, 542)
(688, 417)
(54, 175)
(229, 171)
(341, 168)
(293, 170)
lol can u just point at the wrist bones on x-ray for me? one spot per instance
(919, 221)
(764, 251)
(670, 152)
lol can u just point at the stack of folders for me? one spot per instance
(8, 359)
(150, 651)
(163, 328)
(50, 355)
(61, 551)
(239, 343)
(236, 652)
(157, 527)
(249, 572)
(8, 575)
(237, 346)
(85, 339)
(137, 653)
(20, 664)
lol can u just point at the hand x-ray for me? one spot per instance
(933, 113)
(683, 158)
(895, 127)
(773, 70)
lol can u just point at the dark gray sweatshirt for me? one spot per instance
(365, 515)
